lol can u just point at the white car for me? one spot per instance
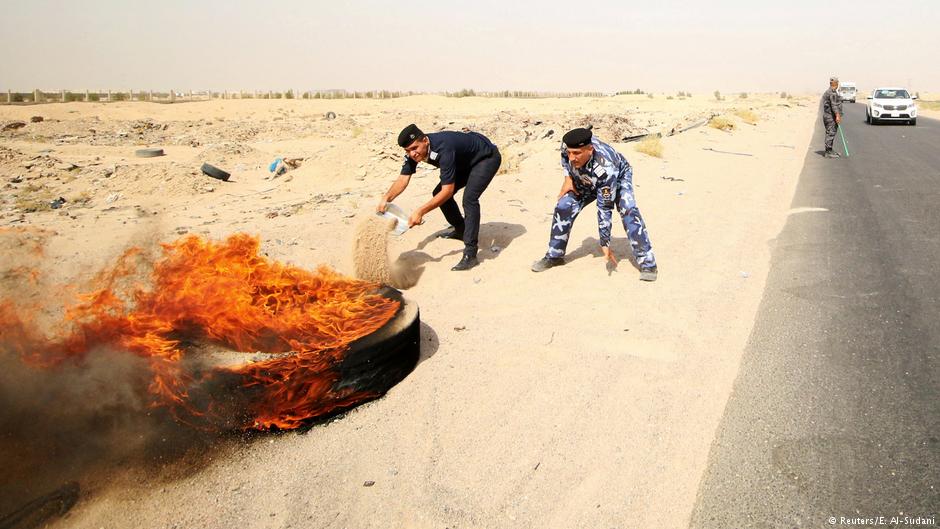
(891, 104)
(847, 91)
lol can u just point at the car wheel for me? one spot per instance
(913, 122)
(867, 118)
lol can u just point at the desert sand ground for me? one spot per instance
(569, 398)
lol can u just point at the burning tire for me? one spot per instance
(248, 394)
(382, 359)
(235, 341)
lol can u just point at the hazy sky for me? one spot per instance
(549, 45)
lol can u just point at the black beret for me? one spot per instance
(577, 138)
(409, 134)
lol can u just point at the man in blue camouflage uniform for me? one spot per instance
(832, 115)
(595, 171)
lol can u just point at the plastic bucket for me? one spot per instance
(401, 219)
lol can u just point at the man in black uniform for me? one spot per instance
(467, 160)
(832, 114)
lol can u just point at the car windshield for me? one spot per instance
(891, 94)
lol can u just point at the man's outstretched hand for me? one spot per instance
(611, 258)
(416, 218)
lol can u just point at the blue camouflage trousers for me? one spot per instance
(569, 205)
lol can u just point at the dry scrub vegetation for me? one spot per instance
(747, 116)
(721, 123)
(651, 145)
(929, 105)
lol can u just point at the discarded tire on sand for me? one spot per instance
(215, 172)
(148, 153)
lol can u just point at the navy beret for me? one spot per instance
(409, 134)
(577, 138)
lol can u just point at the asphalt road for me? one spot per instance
(836, 408)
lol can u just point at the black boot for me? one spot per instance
(468, 261)
(545, 263)
(454, 233)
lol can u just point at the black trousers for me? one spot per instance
(480, 176)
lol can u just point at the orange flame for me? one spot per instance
(224, 293)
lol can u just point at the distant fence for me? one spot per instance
(170, 96)
(173, 96)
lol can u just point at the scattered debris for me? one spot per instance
(281, 165)
(36, 119)
(57, 203)
(278, 167)
(268, 190)
(727, 152)
(639, 137)
(12, 125)
(672, 179)
(614, 126)
(368, 483)
(678, 129)
(330, 115)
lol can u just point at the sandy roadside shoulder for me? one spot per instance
(570, 398)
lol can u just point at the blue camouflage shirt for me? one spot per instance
(598, 179)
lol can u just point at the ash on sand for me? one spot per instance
(80, 422)
(370, 255)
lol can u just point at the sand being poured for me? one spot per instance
(370, 255)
